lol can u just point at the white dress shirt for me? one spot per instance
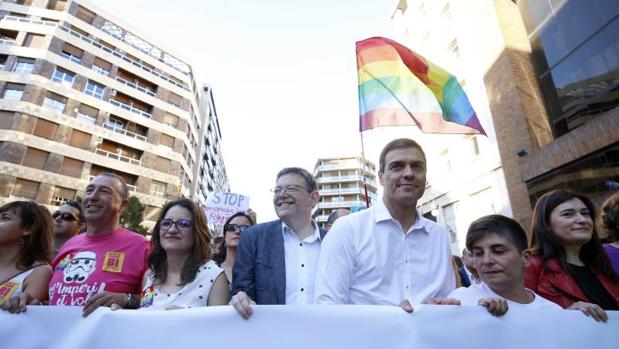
(472, 294)
(301, 260)
(367, 258)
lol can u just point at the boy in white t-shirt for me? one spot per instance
(498, 245)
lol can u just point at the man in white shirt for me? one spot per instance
(276, 261)
(389, 253)
(499, 248)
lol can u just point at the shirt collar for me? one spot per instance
(381, 213)
(315, 236)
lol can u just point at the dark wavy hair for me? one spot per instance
(220, 255)
(200, 253)
(37, 246)
(608, 222)
(547, 245)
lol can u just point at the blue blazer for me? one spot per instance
(259, 267)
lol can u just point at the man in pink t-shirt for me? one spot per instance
(104, 265)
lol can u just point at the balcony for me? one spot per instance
(7, 42)
(117, 156)
(122, 131)
(130, 108)
(136, 87)
(71, 57)
(351, 178)
(29, 20)
(86, 118)
(117, 54)
(342, 191)
(338, 204)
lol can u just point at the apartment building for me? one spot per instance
(82, 93)
(342, 183)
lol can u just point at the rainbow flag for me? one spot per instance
(398, 87)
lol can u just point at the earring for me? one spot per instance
(21, 242)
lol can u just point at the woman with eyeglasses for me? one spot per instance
(569, 266)
(68, 222)
(25, 254)
(182, 274)
(233, 228)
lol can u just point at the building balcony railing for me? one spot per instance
(322, 218)
(350, 178)
(118, 157)
(86, 118)
(71, 57)
(132, 188)
(29, 20)
(356, 165)
(341, 191)
(337, 204)
(130, 108)
(122, 131)
(117, 54)
(7, 42)
(135, 86)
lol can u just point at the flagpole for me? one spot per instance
(365, 186)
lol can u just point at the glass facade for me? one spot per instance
(576, 57)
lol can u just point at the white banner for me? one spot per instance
(220, 206)
(306, 327)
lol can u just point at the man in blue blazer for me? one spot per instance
(276, 261)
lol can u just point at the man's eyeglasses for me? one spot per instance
(290, 189)
(234, 227)
(181, 224)
(65, 216)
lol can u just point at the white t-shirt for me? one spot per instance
(471, 295)
(194, 294)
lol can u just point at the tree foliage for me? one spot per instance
(133, 215)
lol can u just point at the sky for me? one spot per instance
(283, 74)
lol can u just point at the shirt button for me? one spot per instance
(300, 244)
(302, 265)
(407, 287)
(302, 290)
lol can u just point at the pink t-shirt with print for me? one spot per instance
(87, 265)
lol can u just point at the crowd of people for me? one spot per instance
(388, 254)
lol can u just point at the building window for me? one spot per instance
(102, 67)
(80, 139)
(72, 53)
(85, 15)
(62, 195)
(55, 101)
(6, 119)
(446, 11)
(24, 66)
(94, 89)
(87, 114)
(25, 189)
(115, 124)
(3, 59)
(473, 146)
(35, 40)
(166, 140)
(64, 77)
(35, 158)
(56, 5)
(454, 49)
(162, 164)
(170, 119)
(45, 129)
(174, 99)
(158, 188)
(13, 92)
(71, 167)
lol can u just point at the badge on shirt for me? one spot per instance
(7, 289)
(64, 262)
(113, 262)
(148, 295)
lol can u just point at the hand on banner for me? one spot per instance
(18, 304)
(496, 306)
(443, 301)
(406, 306)
(590, 309)
(104, 299)
(242, 303)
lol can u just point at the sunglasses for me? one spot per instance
(66, 216)
(234, 227)
(181, 224)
